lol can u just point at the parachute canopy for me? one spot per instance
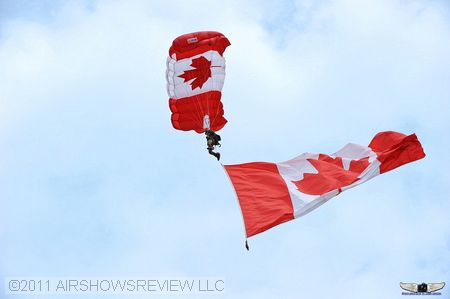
(195, 76)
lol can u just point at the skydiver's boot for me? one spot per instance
(217, 155)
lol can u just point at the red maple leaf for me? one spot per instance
(200, 73)
(331, 175)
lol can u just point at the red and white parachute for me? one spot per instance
(195, 76)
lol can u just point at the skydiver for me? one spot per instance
(212, 140)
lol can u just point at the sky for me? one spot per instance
(95, 182)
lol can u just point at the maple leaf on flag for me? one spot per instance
(200, 73)
(331, 175)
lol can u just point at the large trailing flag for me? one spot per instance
(272, 193)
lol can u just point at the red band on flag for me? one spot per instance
(263, 195)
(395, 149)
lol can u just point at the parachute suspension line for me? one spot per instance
(217, 110)
(215, 115)
(212, 86)
(200, 106)
(237, 199)
(198, 114)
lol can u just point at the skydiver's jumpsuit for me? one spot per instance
(212, 139)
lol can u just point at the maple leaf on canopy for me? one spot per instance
(331, 175)
(200, 73)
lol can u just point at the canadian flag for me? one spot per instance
(272, 193)
(195, 76)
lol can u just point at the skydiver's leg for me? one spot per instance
(210, 148)
(210, 142)
(217, 155)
